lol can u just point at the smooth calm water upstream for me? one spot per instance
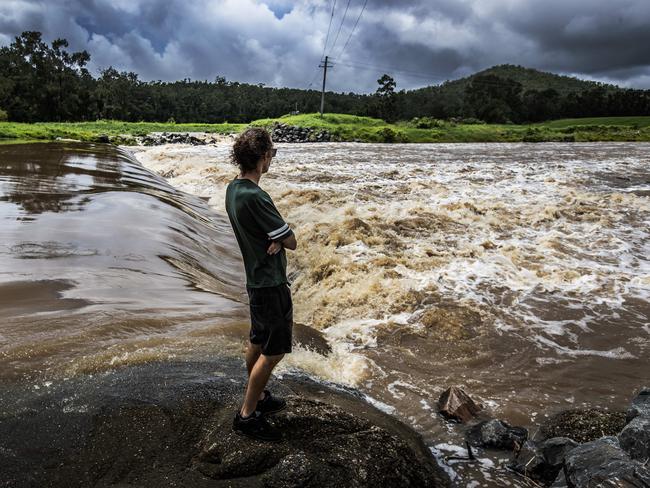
(520, 272)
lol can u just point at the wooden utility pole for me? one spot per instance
(324, 65)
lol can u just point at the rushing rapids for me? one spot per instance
(518, 270)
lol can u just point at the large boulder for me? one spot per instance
(635, 438)
(542, 461)
(603, 463)
(169, 423)
(497, 434)
(322, 446)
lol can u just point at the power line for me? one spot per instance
(353, 28)
(324, 46)
(313, 79)
(328, 30)
(340, 26)
(417, 74)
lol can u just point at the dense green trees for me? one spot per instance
(41, 82)
(47, 83)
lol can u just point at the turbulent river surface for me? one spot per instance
(519, 272)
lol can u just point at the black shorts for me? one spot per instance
(271, 318)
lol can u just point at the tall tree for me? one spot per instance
(385, 95)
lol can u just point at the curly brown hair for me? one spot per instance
(250, 146)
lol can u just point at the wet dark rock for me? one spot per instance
(603, 463)
(640, 405)
(289, 133)
(560, 481)
(583, 425)
(169, 424)
(310, 338)
(322, 446)
(496, 434)
(457, 405)
(103, 138)
(544, 460)
(159, 138)
(635, 438)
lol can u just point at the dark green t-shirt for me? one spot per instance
(256, 223)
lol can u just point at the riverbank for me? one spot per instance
(169, 423)
(349, 128)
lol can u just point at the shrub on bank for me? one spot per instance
(3, 116)
(390, 135)
(425, 123)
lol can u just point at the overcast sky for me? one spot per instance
(280, 42)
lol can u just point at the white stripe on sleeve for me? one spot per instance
(285, 233)
(279, 231)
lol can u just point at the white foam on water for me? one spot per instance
(476, 219)
(616, 353)
(341, 366)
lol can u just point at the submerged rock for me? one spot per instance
(604, 463)
(169, 424)
(497, 434)
(455, 404)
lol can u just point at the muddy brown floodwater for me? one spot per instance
(520, 272)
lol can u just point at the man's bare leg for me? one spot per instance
(253, 352)
(259, 377)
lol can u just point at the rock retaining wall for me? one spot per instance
(291, 133)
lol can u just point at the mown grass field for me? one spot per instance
(639, 122)
(90, 131)
(354, 128)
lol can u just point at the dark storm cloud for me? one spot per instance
(280, 42)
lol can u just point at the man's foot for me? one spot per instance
(270, 404)
(256, 427)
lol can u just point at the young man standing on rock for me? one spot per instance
(262, 235)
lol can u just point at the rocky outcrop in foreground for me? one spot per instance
(169, 424)
(590, 447)
(580, 448)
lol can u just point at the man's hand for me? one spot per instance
(274, 248)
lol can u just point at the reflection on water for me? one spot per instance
(103, 262)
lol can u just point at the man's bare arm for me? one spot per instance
(290, 242)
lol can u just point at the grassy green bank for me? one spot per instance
(92, 131)
(363, 129)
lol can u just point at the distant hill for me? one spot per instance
(449, 97)
(531, 79)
